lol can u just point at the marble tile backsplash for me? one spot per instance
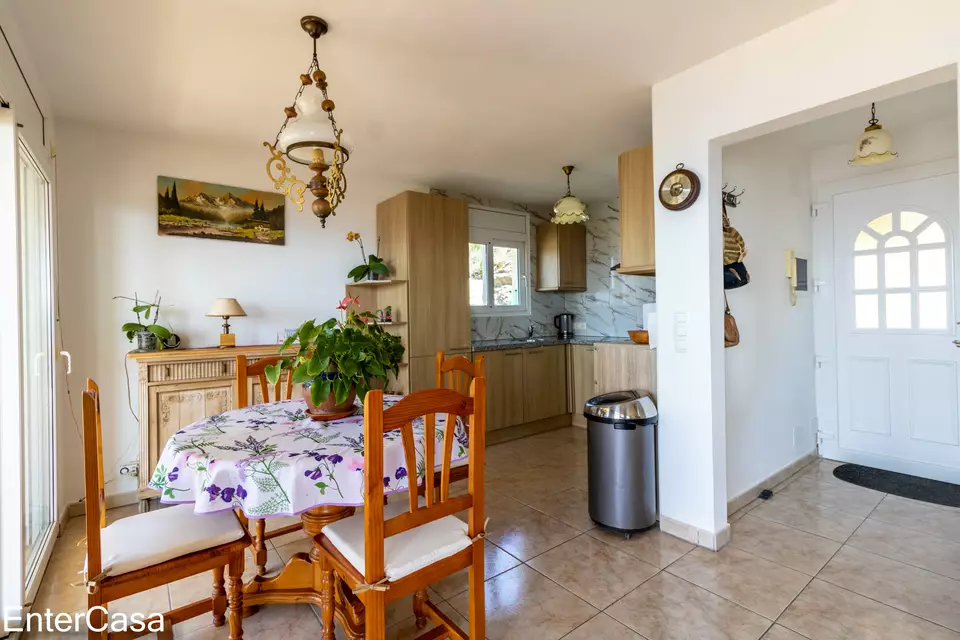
(612, 302)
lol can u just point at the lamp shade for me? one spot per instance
(873, 146)
(309, 131)
(226, 307)
(569, 210)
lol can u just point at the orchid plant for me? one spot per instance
(371, 264)
(339, 354)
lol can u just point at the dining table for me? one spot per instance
(273, 459)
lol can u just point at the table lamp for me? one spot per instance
(226, 308)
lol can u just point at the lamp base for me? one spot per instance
(228, 340)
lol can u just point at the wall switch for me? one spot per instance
(580, 326)
(680, 332)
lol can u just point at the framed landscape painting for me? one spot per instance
(217, 211)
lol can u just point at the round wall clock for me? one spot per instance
(679, 189)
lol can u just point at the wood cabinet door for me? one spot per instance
(581, 379)
(544, 382)
(572, 239)
(621, 367)
(637, 247)
(504, 373)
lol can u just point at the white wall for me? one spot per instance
(110, 246)
(770, 404)
(802, 71)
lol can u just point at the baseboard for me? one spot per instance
(707, 539)
(115, 500)
(739, 502)
(527, 429)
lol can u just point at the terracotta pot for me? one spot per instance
(330, 404)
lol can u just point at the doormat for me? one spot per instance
(900, 484)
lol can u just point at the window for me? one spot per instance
(498, 263)
(900, 274)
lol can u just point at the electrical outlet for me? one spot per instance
(130, 468)
(580, 326)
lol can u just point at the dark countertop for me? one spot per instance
(549, 341)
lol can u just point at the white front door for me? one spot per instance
(898, 369)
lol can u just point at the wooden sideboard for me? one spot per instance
(178, 387)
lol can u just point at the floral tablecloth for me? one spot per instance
(272, 459)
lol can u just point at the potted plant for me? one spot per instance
(372, 268)
(147, 334)
(340, 359)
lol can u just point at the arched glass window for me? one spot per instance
(900, 273)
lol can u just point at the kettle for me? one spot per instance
(564, 324)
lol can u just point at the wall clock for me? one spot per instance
(679, 189)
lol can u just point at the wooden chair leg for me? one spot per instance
(219, 598)
(97, 618)
(327, 584)
(375, 616)
(478, 616)
(235, 596)
(260, 547)
(419, 598)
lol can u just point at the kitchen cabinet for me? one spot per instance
(580, 377)
(423, 369)
(561, 257)
(544, 382)
(637, 246)
(504, 374)
(625, 365)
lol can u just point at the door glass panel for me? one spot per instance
(896, 270)
(898, 311)
(506, 276)
(865, 242)
(910, 220)
(478, 289)
(931, 268)
(933, 310)
(931, 235)
(867, 315)
(882, 225)
(865, 272)
(896, 241)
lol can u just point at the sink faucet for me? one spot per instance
(531, 330)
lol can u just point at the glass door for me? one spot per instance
(37, 336)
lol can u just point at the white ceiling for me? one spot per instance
(488, 96)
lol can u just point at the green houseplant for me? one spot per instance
(372, 268)
(146, 334)
(338, 360)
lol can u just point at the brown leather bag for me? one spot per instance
(731, 334)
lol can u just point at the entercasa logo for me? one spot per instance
(51, 622)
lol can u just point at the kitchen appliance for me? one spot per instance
(622, 460)
(564, 324)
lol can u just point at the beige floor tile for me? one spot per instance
(495, 562)
(593, 570)
(651, 546)
(568, 506)
(280, 522)
(156, 600)
(666, 607)
(912, 547)
(407, 629)
(602, 627)
(919, 516)
(762, 586)
(288, 538)
(841, 496)
(532, 483)
(809, 517)
(527, 533)
(777, 632)
(917, 591)
(523, 605)
(286, 621)
(303, 545)
(826, 612)
(782, 544)
(739, 513)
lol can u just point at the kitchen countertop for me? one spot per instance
(541, 341)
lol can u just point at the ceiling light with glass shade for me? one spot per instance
(569, 209)
(874, 145)
(309, 136)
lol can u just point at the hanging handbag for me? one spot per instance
(731, 334)
(735, 273)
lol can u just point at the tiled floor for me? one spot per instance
(821, 560)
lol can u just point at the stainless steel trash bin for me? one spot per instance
(622, 460)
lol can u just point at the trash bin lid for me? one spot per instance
(621, 406)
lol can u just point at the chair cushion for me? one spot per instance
(405, 552)
(150, 538)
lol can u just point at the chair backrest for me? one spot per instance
(247, 369)
(93, 476)
(400, 417)
(456, 372)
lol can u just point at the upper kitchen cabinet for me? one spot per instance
(636, 212)
(561, 257)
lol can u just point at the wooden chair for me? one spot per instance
(382, 560)
(247, 370)
(456, 373)
(151, 549)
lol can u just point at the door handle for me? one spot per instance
(956, 343)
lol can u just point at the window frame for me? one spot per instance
(486, 229)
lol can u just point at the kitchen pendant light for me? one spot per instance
(569, 209)
(310, 136)
(874, 145)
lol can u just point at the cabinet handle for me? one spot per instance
(513, 353)
(167, 371)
